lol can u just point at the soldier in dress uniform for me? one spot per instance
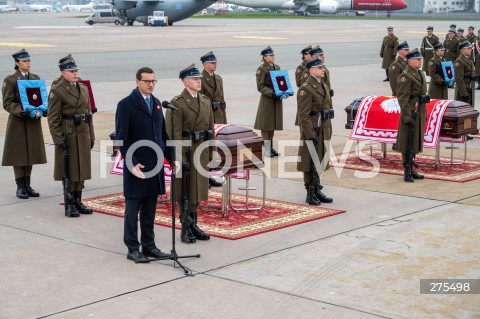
(60, 62)
(428, 43)
(477, 59)
(71, 126)
(193, 122)
(306, 57)
(314, 111)
(451, 46)
(397, 67)
(437, 88)
(387, 51)
(412, 89)
(270, 107)
(453, 27)
(471, 37)
(464, 74)
(24, 145)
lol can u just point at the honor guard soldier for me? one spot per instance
(212, 87)
(71, 127)
(192, 122)
(471, 37)
(387, 51)
(270, 107)
(451, 46)
(464, 74)
(477, 59)
(306, 57)
(60, 62)
(428, 43)
(24, 145)
(460, 37)
(453, 27)
(398, 66)
(314, 115)
(412, 89)
(437, 88)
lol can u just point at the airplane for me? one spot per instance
(7, 8)
(79, 7)
(40, 7)
(139, 10)
(323, 6)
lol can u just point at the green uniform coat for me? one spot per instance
(411, 84)
(270, 109)
(437, 88)
(212, 87)
(396, 68)
(451, 48)
(388, 51)
(24, 145)
(66, 99)
(313, 96)
(476, 51)
(299, 73)
(427, 51)
(192, 117)
(464, 71)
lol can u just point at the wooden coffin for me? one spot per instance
(460, 118)
(248, 155)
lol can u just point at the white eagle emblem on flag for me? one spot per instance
(390, 106)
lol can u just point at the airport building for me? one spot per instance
(446, 6)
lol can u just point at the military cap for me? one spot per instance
(267, 51)
(208, 57)
(403, 46)
(315, 63)
(453, 26)
(21, 55)
(429, 28)
(68, 65)
(439, 47)
(65, 58)
(190, 72)
(460, 30)
(452, 31)
(414, 54)
(316, 50)
(390, 28)
(471, 28)
(306, 50)
(464, 45)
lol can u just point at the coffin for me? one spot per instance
(460, 118)
(248, 155)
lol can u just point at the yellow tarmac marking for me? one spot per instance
(25, 45)
(257, 38)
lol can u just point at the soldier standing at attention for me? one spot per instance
(193, 122)
(428, 43)
(453, 27)
(270, 107)
(387, 51)
(397, 67)
(451, 46)
(306, 57)
(464, 74)
(71, 127)
(60, 62)
(412, 88)
(477, 59)
(314, 114)
(471, 37)
(24, 145)
(437, 89)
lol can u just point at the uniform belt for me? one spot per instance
(315, 113)
(199, 135)
(81, 117)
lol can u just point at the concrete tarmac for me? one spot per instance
(365, 263)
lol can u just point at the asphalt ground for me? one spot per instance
(366, 263)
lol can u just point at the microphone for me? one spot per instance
(167, 105)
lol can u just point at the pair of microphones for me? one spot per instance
(167, 105)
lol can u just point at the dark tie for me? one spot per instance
(147, 100)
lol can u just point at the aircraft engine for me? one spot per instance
(328, 7)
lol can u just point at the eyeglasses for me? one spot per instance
(149, 82)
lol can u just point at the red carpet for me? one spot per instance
(468, 171)
(275, 215)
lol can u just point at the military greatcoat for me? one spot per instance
(212, 87)
(396, 68)
(299, 73)
(270, 109)
(476, 51)
(451, 47)
(65, 100)
(437, 88)
(193, 116)
(411, 84)
(429, 41)
(388, 50)
(313, 96)
(464, 71)
(24, 145)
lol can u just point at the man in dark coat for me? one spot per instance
(398, 66)
(387, 51)
(412, 85)
(438, 88)
(24, 145)
(71, 126)
(139, 119)
(464, 74)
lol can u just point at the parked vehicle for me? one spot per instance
(103, 16)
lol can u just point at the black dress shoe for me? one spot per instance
(386, 80)
(417, 175)
(214, 183)
(408, 178)
(137, 257)
(312, 200)
(155, 253)
(322, 197)
(274, 153)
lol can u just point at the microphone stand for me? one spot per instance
(173, 253)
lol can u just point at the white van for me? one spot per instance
(103, 16)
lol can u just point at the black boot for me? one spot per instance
(82, 209)
(321, 196)
(186, 235)
(21, 191)
(30, 191)
(311, 200)
(274, 152)
(387, 79)
(416, 175)
(212, 182)
(407, 174)
(196, 231)
(70, 210)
